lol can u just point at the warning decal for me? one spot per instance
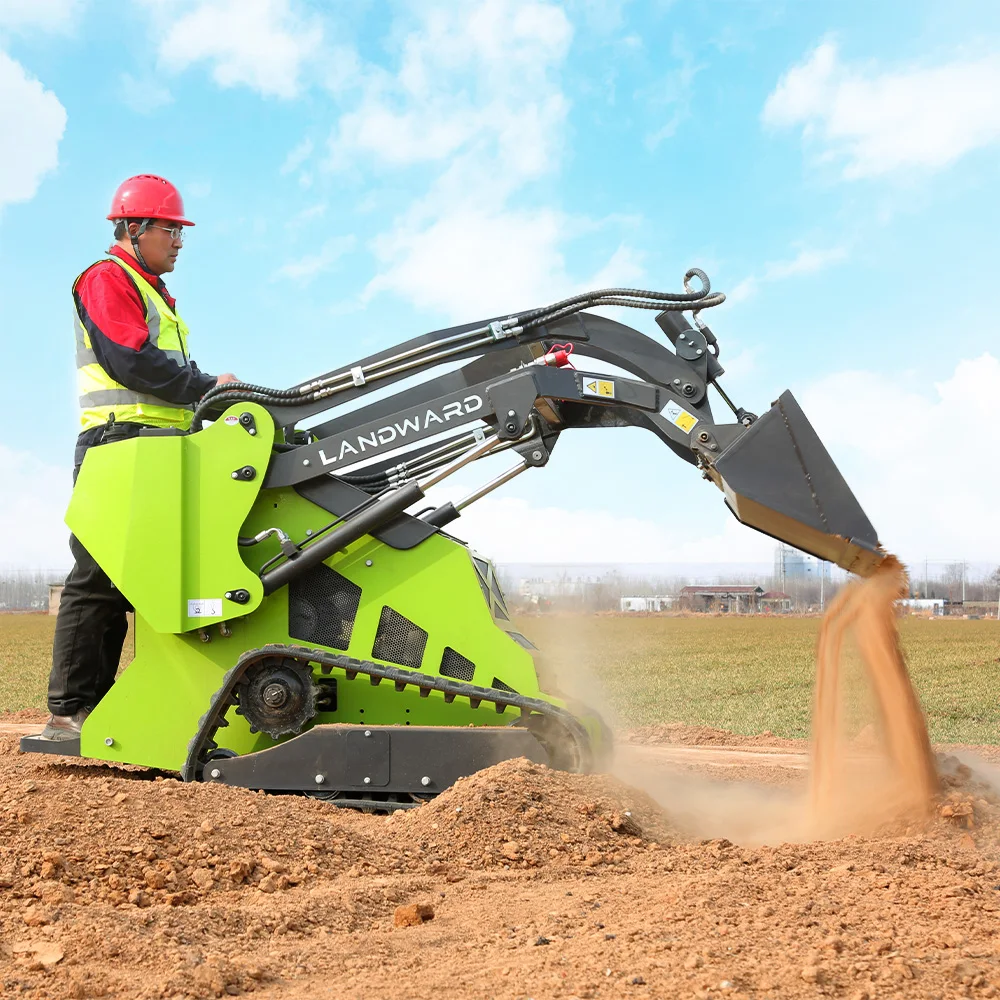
(205, 608)
(680, 417)
(598, 387)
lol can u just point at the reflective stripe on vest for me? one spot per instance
(100, 395)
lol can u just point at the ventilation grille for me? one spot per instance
(455, 665)
(490, 586)
(500, 686)
(322, 606)
(398, 640)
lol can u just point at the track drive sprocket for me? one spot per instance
(277, 696)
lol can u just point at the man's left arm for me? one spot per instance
(219, 379)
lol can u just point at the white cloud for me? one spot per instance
(471, 261)
(474, 100)
(32, 503)
(806, 261)
(742, 290)
(919, 458)
(297, 156)
(471, 77)
(671, 95)
(476, 258)
(307, 215)
(47, 15)
(476, 94)
(143, 96)
(261, 44)
(32, 122)
(875, 121)
(623, 269)
(306, 268)
(601, 535)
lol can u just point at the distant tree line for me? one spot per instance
(603, 591)
(27, 590)
(953, 581)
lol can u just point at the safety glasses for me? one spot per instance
(176, 232)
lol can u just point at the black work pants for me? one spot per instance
(91, 624)
(90, 633)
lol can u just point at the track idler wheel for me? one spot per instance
(563, 752)
(277, 697)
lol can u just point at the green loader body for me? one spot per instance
(171, 547)
(297, 630)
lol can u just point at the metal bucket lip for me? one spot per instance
(779, 478)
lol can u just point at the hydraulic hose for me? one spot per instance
(634, 298)
(631, 298)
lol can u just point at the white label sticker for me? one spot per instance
(205, 608)
(680, 417)
(232, 419)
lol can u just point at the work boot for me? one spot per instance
(64, 727)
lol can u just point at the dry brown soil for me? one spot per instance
(115, 882)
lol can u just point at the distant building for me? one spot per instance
(727, 598)
(776, 601)
(534, 587)
(794, 567)
(55, 596)
(935, 605)
(656, 603)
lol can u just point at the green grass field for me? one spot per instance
(743, 674)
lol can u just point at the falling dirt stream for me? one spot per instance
(865, 610)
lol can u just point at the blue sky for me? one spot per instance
(362, 172)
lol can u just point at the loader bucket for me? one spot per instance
(779, 479)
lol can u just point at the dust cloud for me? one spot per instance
(854, 787)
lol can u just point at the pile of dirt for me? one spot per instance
(193, 883)
(969, 801)
(518, 814)
(93, 833)
(25, 715)
(100, 861)
(518, 881)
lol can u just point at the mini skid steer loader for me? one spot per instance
(298, 628)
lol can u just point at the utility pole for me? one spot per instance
(925, 578)
(822, 583)
(963, 583)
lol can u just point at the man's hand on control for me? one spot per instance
(228, 377)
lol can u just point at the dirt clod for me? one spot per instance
(38, 954)
(412, 915)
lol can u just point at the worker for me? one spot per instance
(133, 371)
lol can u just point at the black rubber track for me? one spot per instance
(203, 741)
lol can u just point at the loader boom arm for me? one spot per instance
(517, 389)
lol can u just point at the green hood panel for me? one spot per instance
(171, 546)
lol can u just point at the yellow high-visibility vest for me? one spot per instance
(101, 395)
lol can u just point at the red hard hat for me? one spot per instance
(147, 196)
